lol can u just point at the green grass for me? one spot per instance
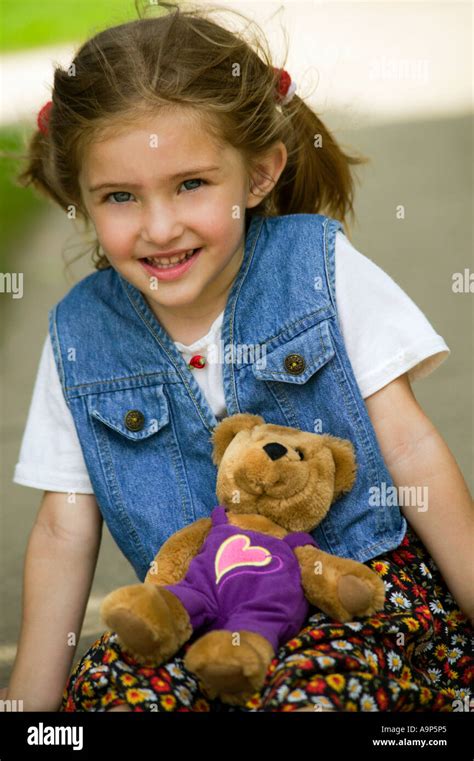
(18, 206)
(27, 24)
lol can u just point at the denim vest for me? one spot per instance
(155, 476)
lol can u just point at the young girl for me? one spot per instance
(204, 176)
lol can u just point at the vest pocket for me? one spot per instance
(297, 359)
(136, 413)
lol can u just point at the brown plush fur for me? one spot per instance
(275, 497)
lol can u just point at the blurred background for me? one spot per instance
(392, 80)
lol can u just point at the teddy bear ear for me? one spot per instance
(229, 427)
(346, 467)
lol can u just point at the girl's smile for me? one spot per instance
(170, 267)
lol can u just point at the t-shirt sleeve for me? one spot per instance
(384, 331)
(50, 454)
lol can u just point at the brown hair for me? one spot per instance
(181, 58)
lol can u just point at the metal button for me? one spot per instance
(295, 364)
(134, 420)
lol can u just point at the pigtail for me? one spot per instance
(318, 176)
(38, 171)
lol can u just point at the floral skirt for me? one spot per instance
(415, 655)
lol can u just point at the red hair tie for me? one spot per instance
(286, 88)
(42, 119)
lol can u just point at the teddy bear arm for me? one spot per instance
(319, 575)
(172, 561)
(341, 587)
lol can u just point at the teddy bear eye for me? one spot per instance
(300, 453)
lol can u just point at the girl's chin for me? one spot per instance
(179, 298)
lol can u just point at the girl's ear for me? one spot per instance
(229, 427)
(346, 467)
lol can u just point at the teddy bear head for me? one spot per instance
(288, 475)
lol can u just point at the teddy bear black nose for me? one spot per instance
(275, 451)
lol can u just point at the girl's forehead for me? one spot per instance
(165, 121)
(168, 136)
(152, 135)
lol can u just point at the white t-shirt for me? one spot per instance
(384, 332)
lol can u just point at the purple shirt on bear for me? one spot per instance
(245, 581)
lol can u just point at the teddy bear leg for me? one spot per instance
(231, 665)
(151, 622)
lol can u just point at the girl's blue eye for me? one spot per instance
(117, 193)
(125, 193)
(193, 180)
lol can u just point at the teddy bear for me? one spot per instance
(238, 584)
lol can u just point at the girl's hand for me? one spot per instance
(3, 693)
(420, 462)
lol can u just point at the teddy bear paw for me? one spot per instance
(142, 619)
(361, 596)
(230, 672)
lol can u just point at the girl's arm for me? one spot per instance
(416, 455)
(59, 568)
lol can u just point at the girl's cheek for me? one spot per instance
(216, 223)
(115, 249)
(118, 239)
(120, 252)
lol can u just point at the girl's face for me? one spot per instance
(170, 190)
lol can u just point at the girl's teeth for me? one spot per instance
(163, 262)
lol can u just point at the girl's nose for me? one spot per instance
(160, 228)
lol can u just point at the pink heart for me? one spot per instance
(237, 551)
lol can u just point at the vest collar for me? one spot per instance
(152, 324)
